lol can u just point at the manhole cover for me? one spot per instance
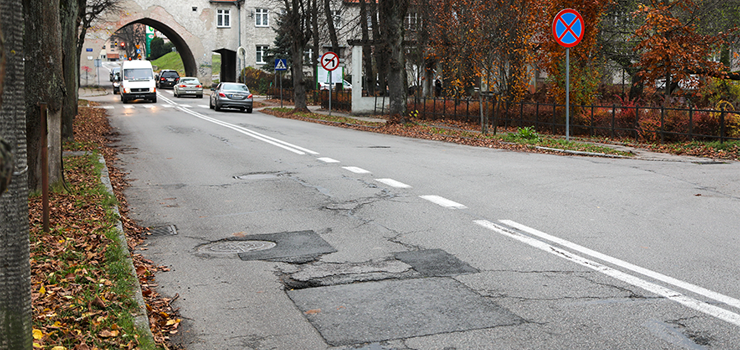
(235, 247)
(168, 230)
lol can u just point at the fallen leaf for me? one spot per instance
(312, 312)
(37, 334)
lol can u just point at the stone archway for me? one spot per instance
(189, 28)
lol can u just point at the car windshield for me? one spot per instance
(137, 74)
(234, 87)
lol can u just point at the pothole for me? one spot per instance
(259, 176)
(235, 247)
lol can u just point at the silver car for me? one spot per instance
(231, 95)
(188, 86)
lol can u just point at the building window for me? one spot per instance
(260, 18)
(411, 21)
(224, 18)
(261, 51)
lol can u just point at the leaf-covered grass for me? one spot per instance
(524, 139)
(81, 280)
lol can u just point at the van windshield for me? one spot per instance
(137, 74)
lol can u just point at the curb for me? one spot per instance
(141, 320)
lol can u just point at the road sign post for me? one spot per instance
(330, 62)
(281, 65)
(568, 30)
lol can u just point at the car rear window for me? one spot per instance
(190, 81)
(234, 87)
(170, 74)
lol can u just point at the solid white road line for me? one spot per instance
(444, 202)
(393, 183)
(649, 273)
(271, 140)
(692, 303)
(356, 170)
(328, 160)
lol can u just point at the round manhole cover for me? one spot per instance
(235, 247)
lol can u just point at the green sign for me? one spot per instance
(149, 36)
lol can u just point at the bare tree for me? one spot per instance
(69, 17)
(297, 26)
(15, 268)
(392, 13)
(133, 36)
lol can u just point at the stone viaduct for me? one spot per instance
(197, 28)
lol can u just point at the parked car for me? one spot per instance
(117, 83)
(231, 95)
(345, 85)
(188, 86)
(167, 78)
(113, 72)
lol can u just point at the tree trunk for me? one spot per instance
(316, 42)
(367, 50)
(393, 12)
(15, 269)
(297, 16)
(330, 26)
(69, 17)
(44, 83)
(381, 50)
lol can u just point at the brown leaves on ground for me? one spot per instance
(76, 305)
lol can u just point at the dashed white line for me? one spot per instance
(356, 170)
(128, 107)
(691, 303)
(204, 106)
(168, 106)
(649, 273)
(443, 202)
(393, 183)
(328, 160)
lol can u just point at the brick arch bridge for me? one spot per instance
(192, 28)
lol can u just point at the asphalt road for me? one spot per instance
(294, 235)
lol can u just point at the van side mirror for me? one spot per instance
(117, 77)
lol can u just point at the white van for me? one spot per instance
(137, 81)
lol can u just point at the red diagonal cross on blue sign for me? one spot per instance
(568, 28)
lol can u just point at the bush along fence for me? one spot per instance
(655, 124)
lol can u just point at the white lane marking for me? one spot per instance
(186, 106)
(356, 170)
(692, 303)
(106, 107)
(393, 183)
(168, 106)
(649, 273)
(148, 106)
(444, 202)
(128, 107)
(328, 160)
(271, 140)
(204, 106)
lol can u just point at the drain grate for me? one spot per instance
(234, 247)
(168, 230)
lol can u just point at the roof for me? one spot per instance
(225, 1)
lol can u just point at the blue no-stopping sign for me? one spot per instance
(568, 28)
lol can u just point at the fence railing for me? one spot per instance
(638, 122)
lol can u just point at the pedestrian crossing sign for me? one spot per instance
(280, 64)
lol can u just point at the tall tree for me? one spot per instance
(615, 39)
(671, 48)
(69, 16)
(331, 28)
(367, 50)
(297, 27)
(15, 268)
(392, 13)
(44, 84)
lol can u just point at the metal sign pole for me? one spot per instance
(330, 88)
(281, 88)
(567, 94)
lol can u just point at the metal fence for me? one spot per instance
(638, 122)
